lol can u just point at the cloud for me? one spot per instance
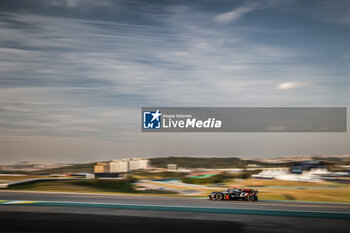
(291, 85)
(125, 65)
(78, 3)
(234, 15)
(336, 11)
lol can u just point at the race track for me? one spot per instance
(153, 213)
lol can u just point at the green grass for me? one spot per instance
(95, 185)
(107, 185)
(7, 179)
(220, 178)
(156, 175)
(208, 180)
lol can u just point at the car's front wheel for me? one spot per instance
(251, 198)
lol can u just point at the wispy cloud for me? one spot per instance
(291, 85)
(337, 11)
(77, 3)
(235, 14)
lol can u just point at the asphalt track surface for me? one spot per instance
(63, 212)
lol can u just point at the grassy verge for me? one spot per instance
(96, 185)
(322, 195)
(220, 178)
(7, 179)
(156, 175)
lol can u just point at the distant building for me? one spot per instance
(101, 168)
(138, 164)
(119, 166)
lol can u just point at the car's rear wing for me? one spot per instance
(250, 190)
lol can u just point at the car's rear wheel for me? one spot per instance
(219, 196)
(251, 198)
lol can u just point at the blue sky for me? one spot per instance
(75, 73)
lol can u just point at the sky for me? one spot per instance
(74, 74)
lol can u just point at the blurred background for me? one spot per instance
(302, 178)
(74, 75)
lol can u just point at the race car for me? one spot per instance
(235, 194)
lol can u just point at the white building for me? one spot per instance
(119, 166)
(122, 165)
(137, 164)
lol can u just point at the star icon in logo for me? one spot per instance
(156, 115)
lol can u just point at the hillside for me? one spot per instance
(195, 162)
